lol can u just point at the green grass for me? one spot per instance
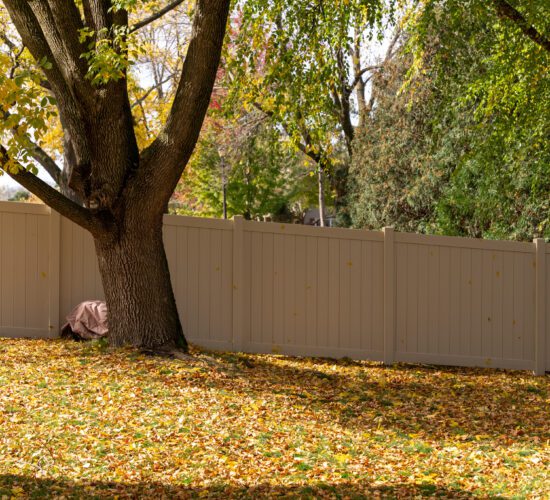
(81, 421)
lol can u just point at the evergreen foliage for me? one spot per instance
(458, 140)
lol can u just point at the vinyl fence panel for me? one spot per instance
(80, 279)
(313, 292)
(25, 277)
(300, 290)
(467, 305)
(200, 257)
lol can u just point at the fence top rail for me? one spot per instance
(17, 207)
(320, 232)
(12, 207)
(472, 243)
(198, 222)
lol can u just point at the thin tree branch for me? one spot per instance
(393, 42)
(505, 10)
(17, 62)
(144, 119)
(375, 67)
(8, 42)
(50, 196)
(306, 147)
(360, 73)
(155, 16)
(138, 102)
(47, 162)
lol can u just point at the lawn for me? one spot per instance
(77, 420)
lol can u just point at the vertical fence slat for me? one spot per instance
(540, 314)
(238, 282)
(389, 295)
(55, 272)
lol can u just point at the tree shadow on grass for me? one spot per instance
(434, 402)
(431, 400)
(29, 487)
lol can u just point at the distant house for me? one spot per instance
(312, 218)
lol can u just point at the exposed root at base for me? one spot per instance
(169, 354)
(183, 356)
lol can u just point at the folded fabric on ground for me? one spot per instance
(87, 321)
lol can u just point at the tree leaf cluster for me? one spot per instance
(459, 140)
(263, 175)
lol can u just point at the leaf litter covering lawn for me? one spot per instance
(80, 421)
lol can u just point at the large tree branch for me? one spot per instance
(34, 150)
(96, 13)
(358, 84)
(177, 140)
(50, 196)
(66, 20)
(46, 161)
(60, 23)
(34, 39)
(155, 16)
(39, 155)
(505, 10)
(341, 97)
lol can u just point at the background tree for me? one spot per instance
(457, 142)
(264, 176)
(8, 192)
(306, 66)
(20, 196)
(82, 53)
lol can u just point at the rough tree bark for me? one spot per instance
(137, 287)
(124, 192)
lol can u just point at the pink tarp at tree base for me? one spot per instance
(87, 321)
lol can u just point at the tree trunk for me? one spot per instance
(121, 192)
(321, 187)
(141, 305)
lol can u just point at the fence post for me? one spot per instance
(55, 272)
(389, 295)
(540, 307)
(238, 281)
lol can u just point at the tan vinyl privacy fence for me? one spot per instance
(299, 290)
